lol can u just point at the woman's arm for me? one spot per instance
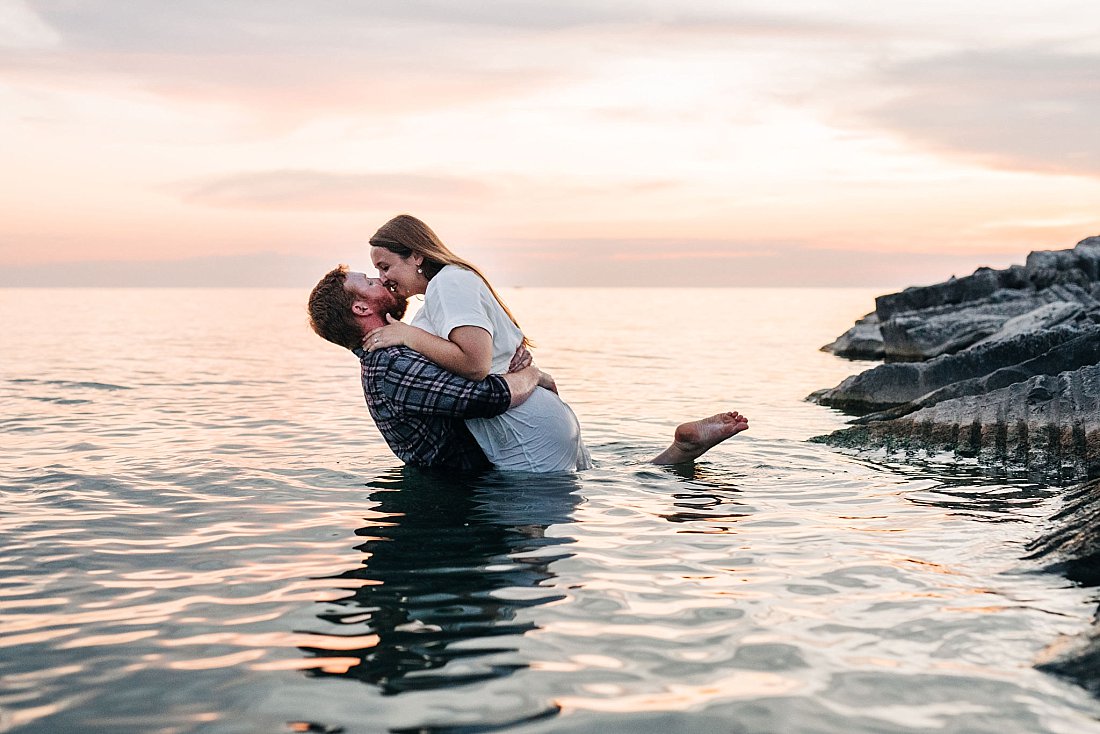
(468, 353)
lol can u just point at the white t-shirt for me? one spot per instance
(458, 297)
(540, 435)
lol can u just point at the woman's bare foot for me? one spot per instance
(695, 438)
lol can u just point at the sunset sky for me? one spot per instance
(572, 142)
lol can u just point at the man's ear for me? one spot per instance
(361, 308)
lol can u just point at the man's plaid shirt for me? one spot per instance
(419, 407)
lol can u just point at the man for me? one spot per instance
(420, 408)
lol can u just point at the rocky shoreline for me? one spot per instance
(1002, 368)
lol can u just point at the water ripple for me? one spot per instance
(208, 539)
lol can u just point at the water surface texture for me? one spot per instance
(202, 531)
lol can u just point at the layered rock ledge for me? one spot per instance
(1047, 425)
(1001, 366)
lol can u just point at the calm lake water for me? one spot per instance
(202, 531)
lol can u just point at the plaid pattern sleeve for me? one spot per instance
(419, 407)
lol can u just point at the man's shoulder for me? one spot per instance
(396, 359)
(389, 372)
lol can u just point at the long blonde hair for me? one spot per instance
(405, 234)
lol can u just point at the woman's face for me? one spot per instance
(399, 273)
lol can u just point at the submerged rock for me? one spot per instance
(1072, 548)
(1046, 425)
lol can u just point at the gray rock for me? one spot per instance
(1081, 265)
(984, 282)
(1020, 340)
(862, 341)
(946, 330)
(1079, 351)
(902, 317)
(1038, 320)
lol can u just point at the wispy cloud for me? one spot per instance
(21, 29)
(284, 63)
(684, 254)
(261, 270)
(733, 263)
(790, 126)
(251, 25)
(334, 46)
(579, 266)
(1028, 108)
(326, 191)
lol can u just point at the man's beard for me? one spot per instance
(398, 309)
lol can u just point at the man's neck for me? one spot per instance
(370, 323)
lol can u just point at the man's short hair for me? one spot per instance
(330, 310)
(330, 314)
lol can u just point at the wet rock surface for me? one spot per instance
(1047, 426)
(1002, 368)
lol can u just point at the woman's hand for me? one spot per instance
(520, 360)
(393, 334)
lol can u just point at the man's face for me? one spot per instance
(370, 290)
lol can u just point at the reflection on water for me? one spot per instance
(708, 497)
(970, 491)
(446, 568)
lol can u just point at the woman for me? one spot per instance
(466, 328)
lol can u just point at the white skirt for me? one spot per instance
(541, 435)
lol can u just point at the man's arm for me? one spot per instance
(522, 384)
(416, 386)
